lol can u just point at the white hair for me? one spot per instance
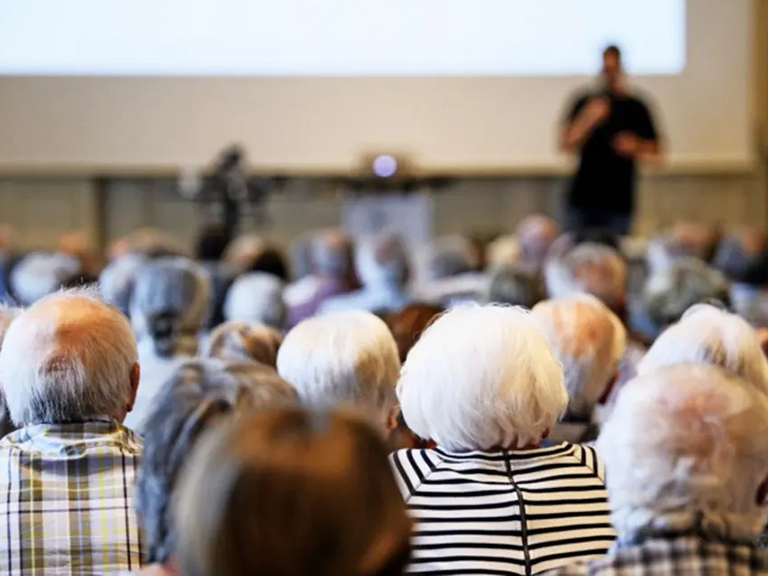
(42, 273)
(117, 279)
(588, 268)
(342, 358)
(67, 358)
(256, 297)
(687, 447)
(481, 377)
(709, 335)
(588, 340)
(382, 261)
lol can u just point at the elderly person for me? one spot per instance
(244, 341)
(482, 383)
(535, 235)
(713, 336)
(331, 257)
(42, 273)
(197, 397)
(70, 375)
(743, 258)
(168, 307)
(683, 240)
(686, 457)
(7, 316)
(256, 297)
(251, 253)
(588, 340)
(117, 279)
(515, 285)
(450, 272)
(291, 493)
(670, 291)
(343, 359)
(383, 269)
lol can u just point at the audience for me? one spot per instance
(449, 272)
(383, 269)
(256, 297)
(535, 235)
(686, 458)
(42, 273)
(483, 384)
(709, 335)
(343, 359)
(7, 316)
(168, 306)
(514, 285)
(197, 397)
(588, 340)
(243, 341)
(291, 493)
(118, 278)
(743, 258)
(70, 375)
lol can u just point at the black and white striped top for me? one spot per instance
(504, 512)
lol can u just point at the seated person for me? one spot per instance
(256, 297)
(686, 458)
(244, 342)
(291, 493)
(70, 375)
(743, 258)
(588, 340)
(483, 384)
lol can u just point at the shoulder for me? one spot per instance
(411, 467)
(587, 456)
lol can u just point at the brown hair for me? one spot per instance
(408, 324)
(244, 341)
(292, 493)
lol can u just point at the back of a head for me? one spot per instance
(482, 377)
(535, 235)
(344, 358)
(149, 242)
(42, 273)
(292, 493)
(670, 291)
(711, 336)
(743, 257)
(244, 341)
(382, 261)
(331, 253)
(256, 297)
(118, 278)
(683, 240)
(66, 359)
(198, 396)
(449, 256)
(588, 269)
(212, 242)
(588, 340)
(514, 285)
(408, 324)
(686, 448)
(169, 303)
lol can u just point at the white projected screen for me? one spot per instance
(337, 37)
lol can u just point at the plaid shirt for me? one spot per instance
(676, 554)
(66, 499)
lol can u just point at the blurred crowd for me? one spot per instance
(537, 401)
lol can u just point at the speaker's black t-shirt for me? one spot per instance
(605, 180)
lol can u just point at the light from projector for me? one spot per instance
(385, 166)
(337, 37)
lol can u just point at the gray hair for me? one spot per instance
(535, 235)
(244, 341)
(169, 304)
(256, 297)
(42, 273)
(331, 252)
(588, 268)
(343, 358)
(200, 394)
(118, 278)
(743, 257)
(514, 285)
(69, 358)
(712, 336)
(687, 448)
(669, 292)
(448, 256)
(382, 261)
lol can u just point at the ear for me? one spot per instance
(609, 388)
(392, 419)
(135, 377)
(762, 493)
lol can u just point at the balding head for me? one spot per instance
(535, 235)
(69, 358)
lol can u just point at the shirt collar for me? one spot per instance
(503, 455)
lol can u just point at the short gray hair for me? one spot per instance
(69, 357)
(712, 336)
(588, 268)
(169, 303)
(670, 291)
(42, 273)
(244, 341)
(199, 395)
(588, 340)
(256, 297)
(515, 285)
(482, 377)
(343, 358)
(448, 256)
(118, 278)
(687, 447)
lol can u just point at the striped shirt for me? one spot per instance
(504, 512)
(66, 499)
